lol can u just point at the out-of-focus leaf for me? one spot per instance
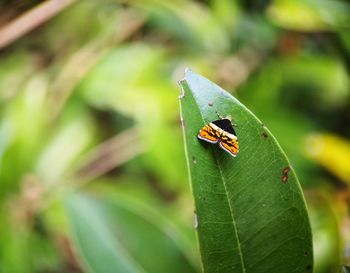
(189, 21)
(346, 269)
(328, 76)
(122, 79)
(309, 15)
(263, 34)
(330, 151)
(18, 257)
(14, 70)
(167, 20)
(22, 130)
(325, 79)
(132, 81)
(134, 188)
(227, 12)
(250, 209)
(121, 236)
(327, 240)
(59, 155)
(345, 38)
(77, 30)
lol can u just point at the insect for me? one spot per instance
(221, 131)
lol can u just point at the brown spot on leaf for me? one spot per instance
(210, 104)
(265, 135)
(285, 172)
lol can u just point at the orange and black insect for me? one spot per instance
(221, 131)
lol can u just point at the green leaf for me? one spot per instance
(250, 209)
(309, 15)
(123, 236)
(324, 211)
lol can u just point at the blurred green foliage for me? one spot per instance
(89, 119)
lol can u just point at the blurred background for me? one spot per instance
(93, 173)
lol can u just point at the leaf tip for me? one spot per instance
(182, 82)
(187, 70)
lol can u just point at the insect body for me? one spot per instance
(221, 131)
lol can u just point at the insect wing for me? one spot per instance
(230, 144)
(209, 134)
(225, 125)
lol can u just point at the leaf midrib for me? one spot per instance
(226, 193)
(231, 212)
